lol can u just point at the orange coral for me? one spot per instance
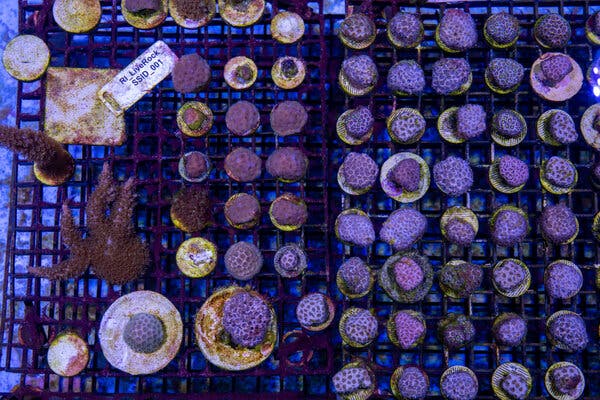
(111, 248)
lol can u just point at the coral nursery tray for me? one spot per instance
(303, 362)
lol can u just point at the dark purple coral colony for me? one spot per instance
(457, 30)
(406, 76)
(406, 175)
(562, 280)
(460, 279)
(509, 228)
(562, 127)
(552, 31)
(459, 231)
(509, 329)
(359, 171)
(413, 383)
(513, 171)
(504, 73)
(350, 380)
(242, 118)
(246, 319)
(243, 165)
(403, 228)
(450, 75)
(515, 386)
(558, 224)
(406, 126)
(355, 275)
(568, 331)
(360, 71)
(560, 172)
(355, 229)
(287, 163)
(507, 123)
(409, 329)
(470, 121)
(453, 176)
(456, 331)
(459, 385)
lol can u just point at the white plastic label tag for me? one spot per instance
(138, 78)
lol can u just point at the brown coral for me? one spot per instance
(190, 210)
(111, 248)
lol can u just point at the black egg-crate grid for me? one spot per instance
(483, 306)
(151, 154)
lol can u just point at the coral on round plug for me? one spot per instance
(358, 327)
(358, 173)
(460, 279)
(409, 329)
(562, 280)
(509, 329)
(470, 121)
(459, 231)
(144, 333)
(287, 164)
(459, 384)
(508, 226)
(560, 172)
(453, 176)
(350, 380)
(354, 277)
(243, 260)
(558, 224)
(501, 30)
(312, 310)
(456, 331)
(562, 127)
(413, 383)
(403, 228)
(566, 330)
(513, 171)
(451, 76)
(456, 31)
(552, 31)
(246, 319)
(405, 30)
(504, 75)
(406, 77)
(355, 229)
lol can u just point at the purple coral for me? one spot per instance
(287, 163)
(355, 229)
(359, 171)
(554, 69)
(562, 280)
(508, 275)
(412, 383)
(403, 228)
(246, 319)
(459, 231)
(450, 75)
(513, 171)
(290, 261)
(243, 165)
(502, 28)
(562, 127)
(350, 380)
(359, 122)
(406, 126)
(460, 279)
(552, 31)
(470, 121)
(453, 176)
(507, 123)
(357, 27)
(406, 174)
(405, 29)
(409, 329)
(560, 172)
(509, 329)
(355, 275)
(406, 76)
(360, 71)
(360, 326)
(515, 385)
(456, 331)
(408, 274)
(313, 310)
(558, 224)
(457, 30)
(567, 380)
(459, 385)
(509, 227)
(567, 331)
(144, 333)
(504, 73)
(243, 260)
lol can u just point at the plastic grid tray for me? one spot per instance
(483, 357)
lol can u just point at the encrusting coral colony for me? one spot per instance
(236, 326)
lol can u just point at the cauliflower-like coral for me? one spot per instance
(513, 171)
(552, 31)
(450, 75)
(509, 329)
(246, 319)
(515, 386)
(355, 229)
(453, 176)
(356, 275)
(144, 333)
(509, 228)
(504, 73)
(350, 380)
(360, 327)
(508, 275)
(470, 121)
(408, 274)
(558, 224)
(406, 76)
(562, 280)
(405, 30)
(507, 123)
(568, 331)
(459, 385)
(360, 71)
(459, 231)
(403, 228)
(359, 171)
(460, 279)
(312, 310)
(287, 163)
(562, 127)
(501, 29)
(457, 30)
(406, 174)
(359, 122)
(409, 329)
(243, 260)
(554, 69)
(406, 126)
(413, 383)
(456, 331)
(560, 172)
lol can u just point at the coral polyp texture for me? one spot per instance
(191, 209)
(242, 211)
(460, 231)
(460, 279)
(111, 247)
(360, 326)
(501, 29)
(566, 380)
(359, 122)
(560, 172)
(288, 117)
(453, 176)
(558, 224)
(562, 280)
(509, 227)
(312, 310)
(504, 74)
(552, 31)
(562, 127)
(144, 333)
(351, 379)
(406, 126)
(508, 275)
(359, 171)
(242, 118)
(355, 276)
(355, 229)
(360, 72)
(357, 31)
(405, 30)
(403, 228)
(554, 69)
(513, 171)
(515, 386)
(451, 76)
(190, 73)
(567, 331)
(456, 331)
(406, 77)
(409, 329)
(459, 385)
(246, 319)
(290, 261)
(408, 274)
(406, 175)
(413, 383)
(243, 165)
(287, 164)
(243, 260)
(509, 329)
(507, 123)
(470, 121)
(456, 31)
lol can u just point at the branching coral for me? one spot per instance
(111, 247)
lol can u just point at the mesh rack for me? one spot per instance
(302, 364)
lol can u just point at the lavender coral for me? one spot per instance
(508, 226)
(451, 76)
(460, 279)
(456, 31)
(313, 310)
(144, 333)
(351, 379)
(552, 31)
(354, 277)
(562, 279)
(456, 331)
(453, 176)
(358, 173)
(409, 329)
(504, 75)
(459, 384)
(405, 30)
(558, 224)
(243, 260)
(501, 30)
(413, 383)
(358, 327)
(403, 228)
(406, 77)
(513, 171)
(355, 229)
(246, 319)
(566, 330)
(470, 121)
(509, 329)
